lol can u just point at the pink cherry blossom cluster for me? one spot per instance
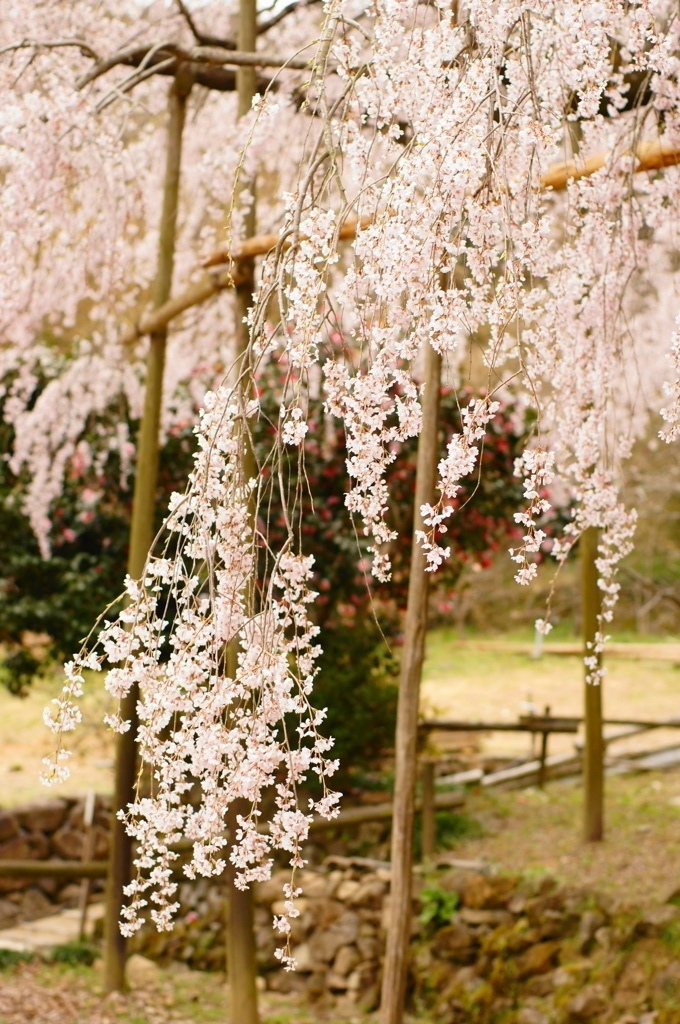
(461, 459)
(237, 731)
(536, 468)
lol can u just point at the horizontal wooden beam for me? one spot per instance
(260, 245)
(539, 726)
(380, 812)
(650, 156)
(53, 868)
(195, 295)
(531, 723)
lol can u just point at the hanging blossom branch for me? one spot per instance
(465, 193)
(234, 735)
(487, 106)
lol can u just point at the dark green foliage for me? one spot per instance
(357, 683)
(74, 953)
(13, 957)
(439, 906)
(454, 828)
(61, 597)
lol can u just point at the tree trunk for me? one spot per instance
(593, 754)
(141, 538)
(406, 767)
(241, 951)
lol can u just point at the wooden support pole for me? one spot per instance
(406, 766)
(544, 754)
(241, 951)
(593, 753)
(88, 854)
(141, 538)
(428, 819)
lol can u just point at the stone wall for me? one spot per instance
(50, 829)
(496, 950)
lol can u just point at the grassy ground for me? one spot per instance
(59, 994)
(465, 682)
(461, 681)
(24, 741)
(529, 831)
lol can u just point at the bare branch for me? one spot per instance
(129, 84)
(203, 38)
(56, 44)
(296, 5)
(206, 63)
(215, 55)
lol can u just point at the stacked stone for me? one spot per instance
(514, 951)
(47, 830)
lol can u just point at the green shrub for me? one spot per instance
(14, 957)
(74, 953)
(357, 683)
(439, 906)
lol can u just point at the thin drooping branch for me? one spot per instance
(650, 155)
(55, 44)
(291, 8)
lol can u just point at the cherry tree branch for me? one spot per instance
(296, 5)
(203, 38)
(198, 56)
(55, 44)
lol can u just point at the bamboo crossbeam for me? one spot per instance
(380, 812)
(540, 725)
(195, 295)
(228, 277)
(650, 156)
(260, 245)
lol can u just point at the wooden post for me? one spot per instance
(141, 538)
(241, 951)
(87, 855)
(406, 766)
(544, 754)
(428, 820)
(593, 753)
